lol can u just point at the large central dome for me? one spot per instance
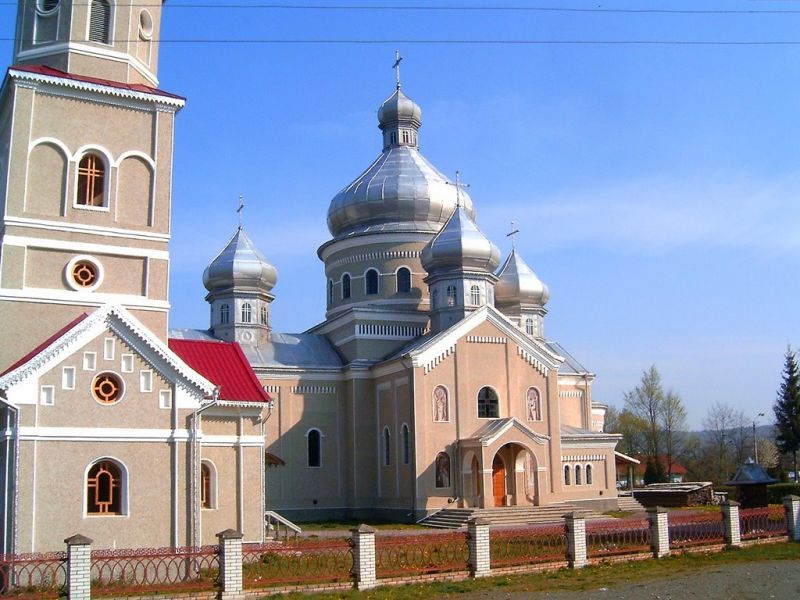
(401, 190)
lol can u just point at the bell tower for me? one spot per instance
(107, 39)
(85, 169)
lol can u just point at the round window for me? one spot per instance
(45, 7)
(83, 273)
(145, 25)
(107, 388)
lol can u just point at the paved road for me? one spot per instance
(778, 580)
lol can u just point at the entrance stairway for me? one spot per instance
(629, 504)
(453, 518)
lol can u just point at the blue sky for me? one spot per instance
(655, 185)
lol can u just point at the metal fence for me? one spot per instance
(116, 572)
(399, 555)
(617, 537)
(42, 575)
(757, 523)
(527, 545)
(296, 562)
(695, 530)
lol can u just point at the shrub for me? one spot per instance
(778, 491)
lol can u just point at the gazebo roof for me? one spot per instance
(751, 473)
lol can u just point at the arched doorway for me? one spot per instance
(498, 480)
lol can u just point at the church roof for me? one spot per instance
(45, 344)
(494, 428)
(224, 365)
(240, 265)
(570, 366)
(518, 284)
(460, 245)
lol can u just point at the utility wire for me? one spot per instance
(472, 42)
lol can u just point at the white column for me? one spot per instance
(659, 531)
(575, 527)
(230, 564)
(79, 567)
(792, 506)
(479, 550)
(731, 525)
(363, 541)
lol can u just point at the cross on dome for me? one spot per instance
(396, 67)
(458, 185)
(240, 210)
(514, 231)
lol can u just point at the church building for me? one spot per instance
(430, 383)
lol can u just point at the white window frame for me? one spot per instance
(68, 378)
(126, 363)
(123, 484)
(109, 345)
(165, 399)
(47, 395)
(146, 380)
(212, 470)
(90, 361)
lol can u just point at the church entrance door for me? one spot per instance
(498, 480)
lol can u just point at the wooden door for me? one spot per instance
(498, 480)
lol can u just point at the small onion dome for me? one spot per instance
(399, 107)
(460, 245)
(518, 284)
(240, 265)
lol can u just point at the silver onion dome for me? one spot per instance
(460, 245)
(518, 284)
(240, 265)
(401, 190)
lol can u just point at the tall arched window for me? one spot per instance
(224, 314)
(91, 181)
(264, 318)
(403, 280)
(104, 488)
(345, 286)
(208, 486)
(474, 295)
(100, 22)
(488, 404)
(247, 313)
(451, 295)
(314, 448)
(330, 292)
(529, 326)
(566, 475)
(371, 282)
(387, 447)
(406, 445)
(434, 299)
(577, 474)
(588, 474)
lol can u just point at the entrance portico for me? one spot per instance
(500, 465)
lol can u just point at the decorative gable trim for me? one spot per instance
(533, 361)
(486, 339)
(438, 359)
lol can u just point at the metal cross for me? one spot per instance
(396, 66)
(458, 185)
(514, 231)
(240, 210)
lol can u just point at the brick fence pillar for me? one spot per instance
(363, 542)
(659, 531)
(230, 564)
(575, 528)
(730, 523)
(792, 506)
(79, 567)
(479, 551)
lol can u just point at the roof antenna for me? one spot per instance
(514, 231)
(240, 210)
(396, 67)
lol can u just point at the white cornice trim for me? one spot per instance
(359, 241)
(110, 434)
(88, 229)
(364, 313)
(91, 299)
(84, 247)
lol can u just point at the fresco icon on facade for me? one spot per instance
(442, 470)
(441, 405)
(534, 405)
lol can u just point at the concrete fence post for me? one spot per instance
(792, 506)
(575, 528)
(79, 567)
(480, 560)
(363, 542)
(230, 564)
(730, 523)
(659, 531)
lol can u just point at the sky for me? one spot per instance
(655, 185)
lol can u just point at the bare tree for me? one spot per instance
(673, 423)
(646, 402)
(719, 423)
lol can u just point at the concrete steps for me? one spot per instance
(453, 518)
(630, 504)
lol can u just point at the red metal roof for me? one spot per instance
(134, 87)
(224, 365)
(45, 344)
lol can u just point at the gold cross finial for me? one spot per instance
(514, 231)
(396, 67)
(240, 210)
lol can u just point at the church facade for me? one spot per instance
(429, 384)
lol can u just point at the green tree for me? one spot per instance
(646, 402)
(787, 409)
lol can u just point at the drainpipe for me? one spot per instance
(195, 448)
(10, 489)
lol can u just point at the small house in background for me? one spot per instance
(751, 480)
(676, 472)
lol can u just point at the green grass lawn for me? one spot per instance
(346, 526)
(603, 575)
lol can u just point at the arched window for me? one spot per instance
(474, 295)
(371, 282)
(264, 315)
(588, 474)
(330, 292)
(224, 314)
(247, 313)
(434, 299)
(451, 295)
(443, 470)
(345, 286)
(403, 280)
(91, 181)
(104, 488)
(314, 448)
(208, 485)
(488, 404)
(406, 445)
(566, 475)
(577, 474)
(100, 22)
(534, 404)
(529, 326)
(387, 447)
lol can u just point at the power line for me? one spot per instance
(472, 42)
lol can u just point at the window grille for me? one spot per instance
(91, 181)
(488, 404)
(104, 489)
(100, 22)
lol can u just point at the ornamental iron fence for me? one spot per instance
(527, 545)
(695, 530)
(399, 555)
(41, 575)
(303, 561)
(757, 523)
(612, 538)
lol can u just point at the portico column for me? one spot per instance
(488, 489)
(519, 487)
